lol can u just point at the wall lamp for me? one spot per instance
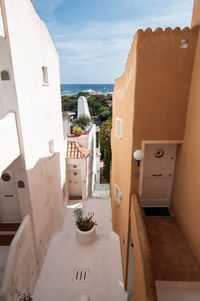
(138, 156)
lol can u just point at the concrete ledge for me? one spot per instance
(144, 284)
(21, 261)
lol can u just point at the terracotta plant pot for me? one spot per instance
(77, 134)
(86, 237)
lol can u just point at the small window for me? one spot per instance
(45, 76)
(119, 128)
(5, 75)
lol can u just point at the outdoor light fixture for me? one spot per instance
(138, 155)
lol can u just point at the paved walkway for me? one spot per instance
(100, 261)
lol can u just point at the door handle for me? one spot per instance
(157, 175)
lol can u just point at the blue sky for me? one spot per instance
(93, 37)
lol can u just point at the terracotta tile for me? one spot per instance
(172, 259)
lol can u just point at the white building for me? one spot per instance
(83, 107)
(32, 152)
(67, 123)
(82, 159)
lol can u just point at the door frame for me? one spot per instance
(144, 143)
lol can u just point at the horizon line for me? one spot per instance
(87, 84)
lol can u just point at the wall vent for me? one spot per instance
(90, 214)
(119, 128)
(81, 275)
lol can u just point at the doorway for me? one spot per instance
(157, 176)
(75, 183)
(9, 204)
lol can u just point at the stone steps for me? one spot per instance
(7, 233)
(101, 191)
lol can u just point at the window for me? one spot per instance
(117, 194)
(45, 76)
(119, 128)
(5, 75)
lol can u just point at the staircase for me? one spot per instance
(101, 191)
(7, 233)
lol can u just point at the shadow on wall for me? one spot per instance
(48, 206)
(36, 230)
(14, 193)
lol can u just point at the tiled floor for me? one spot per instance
(172, 259)
(101, 260)
(178, 290)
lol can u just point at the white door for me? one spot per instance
(75, 183)
(159, 163)
(9, 205)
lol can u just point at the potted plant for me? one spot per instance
(82, 121)
(22, 296)
(77, 130)
(85, 231)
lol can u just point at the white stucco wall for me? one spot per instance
(89, 141)
(1, 24)
(11, 140)
(8, 101)
(39, 105)
(88, 165)
(9, 149)
(39, 120)
(83, 107)
(66, 126)
(91, 163)
(39, 110)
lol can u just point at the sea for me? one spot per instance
(76, 88)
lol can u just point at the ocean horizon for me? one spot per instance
(72, 89)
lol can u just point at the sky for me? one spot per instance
(93, 37)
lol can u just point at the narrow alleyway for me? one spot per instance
(100, 261)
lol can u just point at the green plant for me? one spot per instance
(23, 296)
(82, 121)
(104, 115)
(84, 223)
(105, 143)
(77, 129)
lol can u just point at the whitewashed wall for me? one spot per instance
(39, 121)
(1, 24)
(9, 149)
(39, 109)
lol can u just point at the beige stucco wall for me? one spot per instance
(151, 99)
(123, 106)
(186, 192)
(163, 82)
(196, 13)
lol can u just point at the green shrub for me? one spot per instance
(82, 121)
